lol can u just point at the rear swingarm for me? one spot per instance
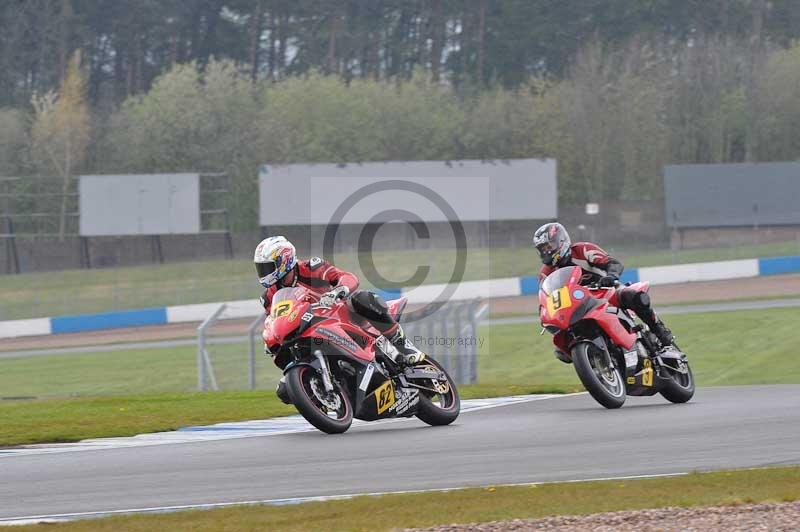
(420, 374)
(673, 355)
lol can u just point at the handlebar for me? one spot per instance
(596, 286)
(319, 304)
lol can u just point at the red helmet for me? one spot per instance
(553, 243)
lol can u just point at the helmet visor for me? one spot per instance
(547, 252)
(546, 247)
(265, 268)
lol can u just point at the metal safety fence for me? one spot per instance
(450, 335)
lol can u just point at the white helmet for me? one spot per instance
(274, 258)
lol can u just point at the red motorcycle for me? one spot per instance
(338, 367)
(613, 355)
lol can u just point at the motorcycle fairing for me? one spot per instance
(378, 396)
(331, 332)
(643, 382)
(641, 286)
(610, 323)
(563, 302)
(286, 320)
(649, 377)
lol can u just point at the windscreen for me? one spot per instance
(557, 279)
(288, 293)
(283, 302)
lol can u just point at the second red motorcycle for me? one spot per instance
(613, 355)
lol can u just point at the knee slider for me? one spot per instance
(368, 304)
(359, 301)
(634, 300)
(643, 300)
(626, 298)
(378, 301)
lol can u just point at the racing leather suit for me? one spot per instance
(594, 262)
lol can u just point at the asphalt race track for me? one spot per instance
(565, 438)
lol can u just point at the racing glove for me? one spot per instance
(608, 281)
(329, 298)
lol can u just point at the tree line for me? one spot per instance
(685, 84)
(126, 45)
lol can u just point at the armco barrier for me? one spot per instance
(485, 289)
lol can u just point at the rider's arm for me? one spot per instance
(598, 258)
(614, 267)
(266, 301)
(338, 277)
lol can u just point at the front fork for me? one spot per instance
(327, 381)
(610, 360)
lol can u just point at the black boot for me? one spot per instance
(408, 353)
(661, 331)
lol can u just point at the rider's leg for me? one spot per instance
(374, 309)
(639, 302)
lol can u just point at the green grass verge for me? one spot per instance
(129, 371)
(102, 417)
(65, 420)
(723, 347)
(637, 259)
(473, 505)
(79, 291)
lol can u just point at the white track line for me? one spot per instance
(243, 429)
(56, 518)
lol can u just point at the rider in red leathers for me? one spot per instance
(277, 267)
(557, 251)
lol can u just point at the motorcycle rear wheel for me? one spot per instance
(442, 408)
(605, 384)
(331, 412)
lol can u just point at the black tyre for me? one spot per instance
(680, 387)
(330, 412)
(442, 407)
(603, 383)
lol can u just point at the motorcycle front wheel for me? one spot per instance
(330, 412)
(604, 383)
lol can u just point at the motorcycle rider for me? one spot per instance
(277, 267)
(557, 251)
